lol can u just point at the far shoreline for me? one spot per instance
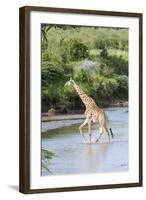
(46, 116)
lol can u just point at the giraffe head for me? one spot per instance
(70, 82)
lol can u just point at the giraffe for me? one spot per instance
(92, 113)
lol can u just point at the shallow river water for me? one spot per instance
(72, 156)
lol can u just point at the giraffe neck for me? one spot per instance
(84, 97)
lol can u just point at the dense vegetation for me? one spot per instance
(96, 58)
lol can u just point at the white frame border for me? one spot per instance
(38, 182)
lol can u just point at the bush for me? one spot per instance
(51, 73)
(119, 64)
(106, 71)
(111, 38)
(53, 78)
(77, 50)
(105, 87)
(103, 52)
(88, 65)
(122, 89)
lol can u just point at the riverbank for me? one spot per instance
(46, 118)
(53, 114)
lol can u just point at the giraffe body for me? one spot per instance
(92, 113)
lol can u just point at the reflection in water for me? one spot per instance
(74, 157)
(92, 155)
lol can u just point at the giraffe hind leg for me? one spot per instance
(89, 129)
(107, 134)
(100, 134)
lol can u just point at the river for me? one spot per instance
(72, 156)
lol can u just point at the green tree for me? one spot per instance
(78, 50)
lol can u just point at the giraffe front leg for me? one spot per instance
(80, 128)
(100, 134)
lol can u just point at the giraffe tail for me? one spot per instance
(111, 133)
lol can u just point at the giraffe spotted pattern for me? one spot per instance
(92, 113)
